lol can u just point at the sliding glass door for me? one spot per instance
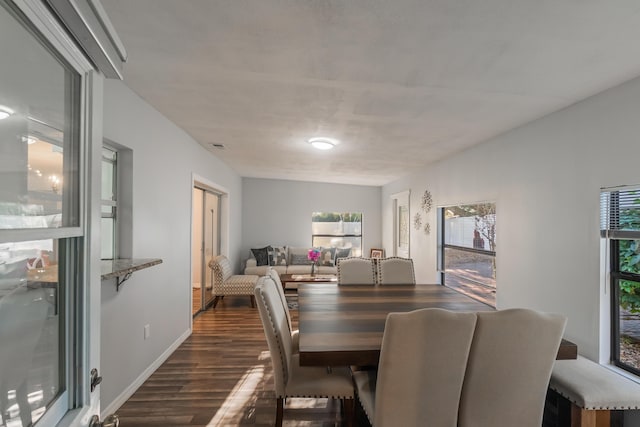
(44, 309)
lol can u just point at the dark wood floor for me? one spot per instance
(221, 376)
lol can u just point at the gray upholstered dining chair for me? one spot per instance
(509, 368)
(291, 379)
(423, 359)
(295, 336)
(356, 271)
(396, 271)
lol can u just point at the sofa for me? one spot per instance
(292, 260)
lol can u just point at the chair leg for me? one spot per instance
(279, 411)
(215, 301)
(589, 418)
(348, 406)
(253, 301)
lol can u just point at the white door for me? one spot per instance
(400, 203)
(49, 240)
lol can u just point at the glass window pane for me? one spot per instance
(471, 226)
(38, 133)
(107, 238)
(107, 181)
(629, 333)
(629, 256)
(471, 273)
(337, 230)
(30, 330)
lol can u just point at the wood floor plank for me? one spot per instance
(221, 376)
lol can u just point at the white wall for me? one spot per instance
(545, 179)
(164, 159)
(278, 212)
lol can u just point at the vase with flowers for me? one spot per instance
(313, 255)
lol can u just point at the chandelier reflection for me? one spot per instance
(55, 183)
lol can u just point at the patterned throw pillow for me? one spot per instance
(342, 253)
(278, 256)
(299, 259)
(261, 255)
(327, 257)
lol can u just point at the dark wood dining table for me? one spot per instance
(343, 325)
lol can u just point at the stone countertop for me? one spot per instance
(122, 267)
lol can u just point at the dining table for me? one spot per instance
(343, 325)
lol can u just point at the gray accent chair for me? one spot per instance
(291, 379)
(510, 364)
(356, 271)
(422, 365)
(396, 271)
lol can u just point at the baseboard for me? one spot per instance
(128, 392)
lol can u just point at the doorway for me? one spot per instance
(206, 245)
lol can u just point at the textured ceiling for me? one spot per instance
(400, 83)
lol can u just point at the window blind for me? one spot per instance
(620, 212)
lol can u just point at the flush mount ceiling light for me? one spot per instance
(322, 143)
(5, 112)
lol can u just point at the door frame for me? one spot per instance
(205, 184)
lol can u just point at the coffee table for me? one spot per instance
(298, 279)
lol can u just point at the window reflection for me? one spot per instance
(29, 322)
(33, 197)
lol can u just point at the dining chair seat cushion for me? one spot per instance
(317, 382)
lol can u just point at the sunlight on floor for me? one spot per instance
(232, 410)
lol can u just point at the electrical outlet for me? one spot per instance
(147, 331)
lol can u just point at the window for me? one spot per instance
(41, 231)
(467, 249)
(620, 225)
(109, 203)
(337, 230)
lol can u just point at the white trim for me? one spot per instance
(135, 385)
(53, 32)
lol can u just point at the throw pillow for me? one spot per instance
(298, 259)
(261, 255)
(342, 253)
(327, 257)
(279, 256)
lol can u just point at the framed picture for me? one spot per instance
(376, 253)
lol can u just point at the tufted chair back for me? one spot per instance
(396, 271)
(276, 330)
(356, 271)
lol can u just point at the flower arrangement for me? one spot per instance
(313, 255)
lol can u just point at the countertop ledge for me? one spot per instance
(123, 266)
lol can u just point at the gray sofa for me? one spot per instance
(292, 260)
